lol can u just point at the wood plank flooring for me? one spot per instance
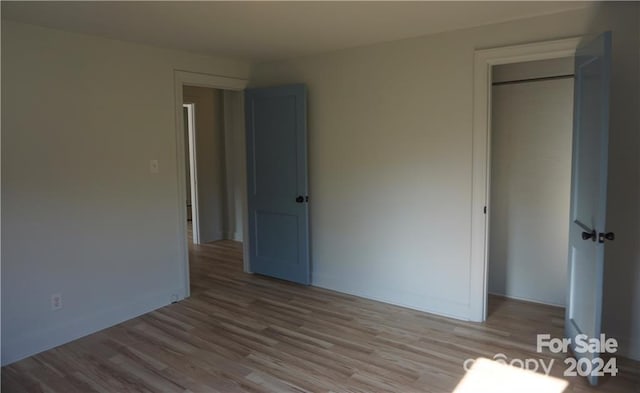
(247, 333)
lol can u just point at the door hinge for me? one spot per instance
(485, 210)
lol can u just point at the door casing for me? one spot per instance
(484, 60)
(193, 171)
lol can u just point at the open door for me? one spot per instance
(276, 121)
(587, 235)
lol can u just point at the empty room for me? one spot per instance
(320, 196)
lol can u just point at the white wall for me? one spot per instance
(81, 213)
(530, 184)
(210, 156)
(622, 262)
(390, 163)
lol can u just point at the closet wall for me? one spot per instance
(530, 180)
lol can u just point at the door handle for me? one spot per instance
(606, 236)
(589, 235)
(299, 199)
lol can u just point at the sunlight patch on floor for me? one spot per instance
(488, 376)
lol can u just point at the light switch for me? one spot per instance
(154, 166)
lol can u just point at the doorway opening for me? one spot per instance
(484, 61)
(529, 187)
(209, 187)
(587, 233)
(212, 195)
(211, 172)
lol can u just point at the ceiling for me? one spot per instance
(266, 31)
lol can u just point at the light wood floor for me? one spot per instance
(240, 332)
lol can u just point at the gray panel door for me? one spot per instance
(276, 124)
(587, 235)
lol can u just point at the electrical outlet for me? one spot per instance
(154, 166)
(56, 302)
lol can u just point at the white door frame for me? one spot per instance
(193, 170)
(484, 60)
(182, 78)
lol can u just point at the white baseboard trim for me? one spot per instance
(526, 299)
(229, 235)
(413, 301)
(39, 340)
